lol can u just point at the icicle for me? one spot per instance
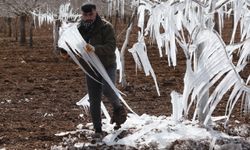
(212, 144)
(177, 106)
(84, 102)
(139, 53)
(237, 14)
(119, 64)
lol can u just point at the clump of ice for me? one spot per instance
(160, 132)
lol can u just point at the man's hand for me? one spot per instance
(89, 48)
(64, 54)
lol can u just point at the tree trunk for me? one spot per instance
(31, 31)
(110, 19)
(116, 20)
(56, 26)
(125, 19)
(16, 29)
(124, 46)
(4, 27)
(22, 21)
(202, 114)
(216, 21)
(9, 20)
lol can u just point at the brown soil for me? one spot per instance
(39, 91)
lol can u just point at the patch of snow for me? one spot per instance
(152, 132)
(237, 121)
(230, 146)
(26, 100)
(8, 101)
(73, 132)
(23, 62)
(217, 118)
(78, 145)
(159, 131)
(48, 114)
(79, 126)
(242, 130)
(55, 147)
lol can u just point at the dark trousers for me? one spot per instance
(95, 91)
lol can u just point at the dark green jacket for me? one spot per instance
(101, 35)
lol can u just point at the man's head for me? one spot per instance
(89, 12)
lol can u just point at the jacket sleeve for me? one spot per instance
(109, 42)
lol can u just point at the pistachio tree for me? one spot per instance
(209, 60)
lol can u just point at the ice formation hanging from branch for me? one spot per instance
(64, 14)
(168, 20)
(115, 6)
(139, 53)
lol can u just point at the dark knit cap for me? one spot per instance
(88, 7)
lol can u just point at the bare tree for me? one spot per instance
(21, 9)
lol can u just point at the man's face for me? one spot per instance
(89, 16)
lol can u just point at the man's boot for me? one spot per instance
(119, 117)
(97, 137)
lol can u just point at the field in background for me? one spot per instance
(39, 90)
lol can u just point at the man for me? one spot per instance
(100, 36)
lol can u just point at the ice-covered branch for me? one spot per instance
(139, 53)
(124, 46)
(214, 66)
